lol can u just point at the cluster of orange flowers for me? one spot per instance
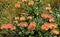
(30, 3)
(47, 26)
(23, 24)
(31, 26)
(8, 26)
(23, 18)
(45, 16)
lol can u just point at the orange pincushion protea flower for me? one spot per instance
(23, 0)
(44, 15)
(17, 5)
(54, 31)
(53, 26)
(32, 26)
(51, 20)
(23, 24)
(31, 3)
(22, 18)
(3, 26)
(45, 26)
(29, 17)
(7, 26)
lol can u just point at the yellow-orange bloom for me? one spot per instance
(51, 20)
(29, 17)
(22, 18)
(53, 26)
(31, 3)
(23, 24)
(17, 5)
(54, 31)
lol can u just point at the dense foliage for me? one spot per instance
(29, 18)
